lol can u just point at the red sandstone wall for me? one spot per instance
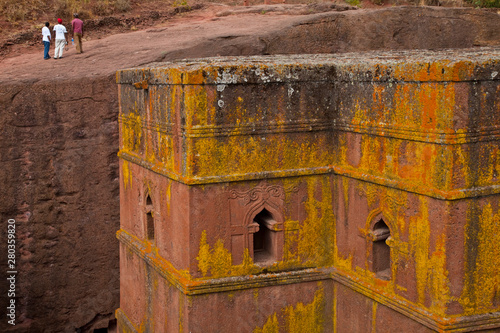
(60, 182)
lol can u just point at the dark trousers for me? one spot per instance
(46, 50)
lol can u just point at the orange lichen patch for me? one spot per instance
(420, 107)
(443, 70)
(481, 292)
(462, 70)
(299, 318)
(436, 106)
(402, 164)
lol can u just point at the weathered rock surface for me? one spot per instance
(59, 137)
(59, 170)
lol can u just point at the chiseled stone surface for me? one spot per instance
(60, 175)
(370, 179)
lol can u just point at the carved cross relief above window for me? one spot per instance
(256, 224)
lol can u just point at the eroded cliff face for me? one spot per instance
(60, 183)
(59, 139)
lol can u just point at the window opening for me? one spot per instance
(381, 251)
(262, 240)
(150, 221)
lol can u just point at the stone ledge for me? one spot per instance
(230, 284)
(419, 314)
(124, 323)
(403, 185)
(491, 133)
(446, 66)
(207, 286)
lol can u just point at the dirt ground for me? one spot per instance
(134, 41)
(105, 54)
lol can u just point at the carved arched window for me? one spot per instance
(263, 239)
(150, 221)
(256, 225)
(381, 252)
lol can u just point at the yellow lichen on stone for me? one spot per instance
(245, 267)
(300, 318)
(306, 318)
(168, 195)
(430, 267)
(271, 326)
(181, 313)
(196, 106)
(220, 263)
(419, 230)
(291, 239)
(204, 254)
(230, 156)
(127, 176)
(438, 278)
(131, 131)
(374, 317)
(482, 283)
(317, 233)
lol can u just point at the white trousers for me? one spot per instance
(60, 44)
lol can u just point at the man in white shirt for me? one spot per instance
(61, 39)
(46, 40)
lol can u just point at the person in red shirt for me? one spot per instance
(77, 26)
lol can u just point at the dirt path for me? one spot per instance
(272, 29)
(104, 56)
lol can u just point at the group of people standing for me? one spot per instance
(61, 39)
